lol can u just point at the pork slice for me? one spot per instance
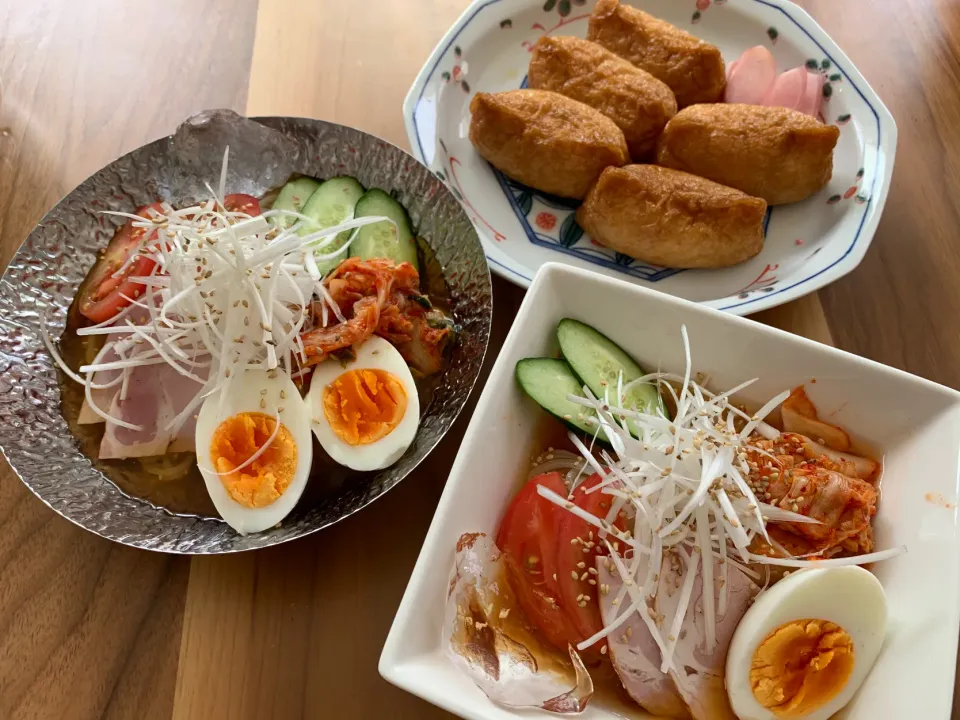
(751, 77)
(635, 654)
(699, 674)
(789, 90)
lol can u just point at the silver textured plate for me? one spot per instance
(43, 278)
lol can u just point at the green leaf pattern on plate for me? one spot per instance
(570, 231)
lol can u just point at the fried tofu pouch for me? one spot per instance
(693, 69)
(545, 140)
(671, 218)
(773, 153)
(636, 101)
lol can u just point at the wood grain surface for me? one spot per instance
(89, 629)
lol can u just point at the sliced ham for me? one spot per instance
(635, 655)
(156, 394)
(144, 405)
(751, 77)
(103, 398)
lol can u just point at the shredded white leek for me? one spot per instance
(224, 296)
(682, 485)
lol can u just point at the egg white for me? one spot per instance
(245, 396)
(375, 354)
(849, 596)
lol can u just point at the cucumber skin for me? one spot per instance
(344, 184)
(571, 330)
(303, 187)
(377, 202)
(322, 195)
(583, 429)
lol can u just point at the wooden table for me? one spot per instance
(90, 629)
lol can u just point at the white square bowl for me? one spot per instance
(913, 423)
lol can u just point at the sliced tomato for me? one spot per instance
(541, 608)
(103, 294)
(238, 202)
(578, 545)
(528, 538)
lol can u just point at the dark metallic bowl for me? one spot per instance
(43, 278)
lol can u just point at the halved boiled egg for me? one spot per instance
(806, 645)
(254, 449)
(365, 412)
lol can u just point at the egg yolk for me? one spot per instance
(364, 405)
(801, 666)
(259, 483)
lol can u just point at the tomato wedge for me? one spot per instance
(103, 294)
(238, 202)
(528, 539)
(578, 546)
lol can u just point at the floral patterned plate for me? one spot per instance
(808, 244)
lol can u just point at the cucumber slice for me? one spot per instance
(293, 196)
(334, 202)
(383, 240)
(549, 381)
(598, 361)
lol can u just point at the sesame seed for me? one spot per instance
(581, 565)
(504, 613)
(573, 574)
(603, 650)
(584, 577)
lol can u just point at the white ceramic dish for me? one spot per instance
(808, 245)
(914, 423)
